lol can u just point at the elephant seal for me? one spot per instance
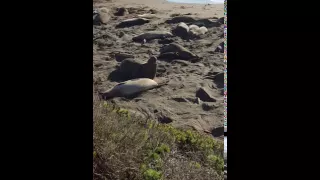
(193, 27)
(148, 16)
(132, 22)
(182, 30)
(207, 23)
(196, 31)
(168, 56)
(104, 15)
(131, 88)
(179, 19)
(132, 69)
(152, 35)
(183, 53)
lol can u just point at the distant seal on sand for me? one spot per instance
(148, 16)
(132, 22)
(169, 56)
(104, 15)
(207, 23)
(182, 30)
(183, 53)
(152, 35)
(131, 88)
(179, 19)
(122, 56)
(193, 27)
(132, 69)
(196, 31)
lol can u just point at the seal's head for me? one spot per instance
(152, 60)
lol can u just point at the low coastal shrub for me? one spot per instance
(130, 147)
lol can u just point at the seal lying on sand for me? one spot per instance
(104, 15)
(148, 16)
(183, 53)
(131, 69)
(196, 31)
(131, 88)
(179, 19)
(182, 30)
(207, 23)
(152, 35)
(132, 22)
(169, 56)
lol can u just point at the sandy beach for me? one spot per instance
(178, 102)
(201, 10)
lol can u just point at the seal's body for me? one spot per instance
(132, 22)
(132, 69)
(129, 88)
(183, 52)
(152, 35)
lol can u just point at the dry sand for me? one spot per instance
(201, 10)
(176, 102)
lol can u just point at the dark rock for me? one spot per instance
(219, 80)
(165, 120)
(217, 132)
(122, 56)
(221, 20)
(96, 19)
(101, 42)
(98, 65)
(120, 34)
(213, 71)
(204, 94)
(175, 15)
(121, 12)
(207, 107)
(180, 99)
(153, 11)
(222, 92)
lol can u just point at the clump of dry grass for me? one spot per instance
(128, 147)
